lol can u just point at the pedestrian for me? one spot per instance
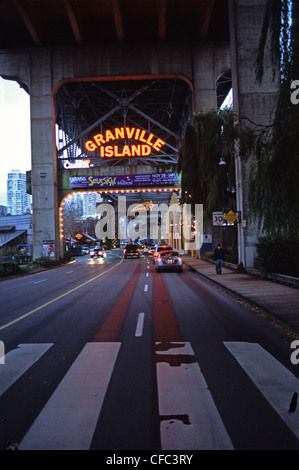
(218, 258)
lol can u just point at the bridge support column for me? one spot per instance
(252, 103)
(44, 162)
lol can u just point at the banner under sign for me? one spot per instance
(121, 181)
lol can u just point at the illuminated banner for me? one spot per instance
(106, 143)
(122, 181)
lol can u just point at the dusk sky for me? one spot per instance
(15, 150)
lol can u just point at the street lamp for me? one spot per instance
(239, 201)
(222, 161)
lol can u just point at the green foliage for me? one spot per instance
(45, 262)
(9, 269)
(279, 255)
(273, 183)
(271, 26)
(107, 245)
(67, 256)
(208, 136)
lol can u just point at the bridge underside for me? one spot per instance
(93, 67)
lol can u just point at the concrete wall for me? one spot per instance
(252, 102)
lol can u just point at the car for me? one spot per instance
(151, 250)
(159, 248)
(132, 250)
(77, 251)
(168, 261)
(96, 252)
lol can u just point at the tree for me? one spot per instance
(209, 135)
(273, 183)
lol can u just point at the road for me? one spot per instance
(107, 354)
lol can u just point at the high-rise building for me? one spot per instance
(90, 201)
(18, 201)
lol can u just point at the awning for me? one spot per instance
(88, 236)
(9, 236)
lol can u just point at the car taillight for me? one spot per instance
(180, 259)
(138, 249)
(125, 250)
(155, 254)
(159, 259)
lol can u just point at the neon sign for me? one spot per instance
(143, 149)
(77, 164)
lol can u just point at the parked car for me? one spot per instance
(96, 252)
(132, 251)
(77, 251)
(168, 261)
(160, 248)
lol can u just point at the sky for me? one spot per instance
(15, 147)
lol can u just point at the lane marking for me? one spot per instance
(112, 325)
(166, 326)
(18, 361)
(68, 272)
(42, 280)
(275, 381)
(188, 415)
(69, 418)
(140, 322)
(57, 298)
(147, 275)
(146, 288)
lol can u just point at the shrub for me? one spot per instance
(45, 262)
(67, 255)
(10, 268)
(279, 255)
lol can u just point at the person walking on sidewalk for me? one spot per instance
(218, 258)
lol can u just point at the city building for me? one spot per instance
(90, 201)
(18, 201)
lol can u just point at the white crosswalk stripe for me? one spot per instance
(190, 417)
(68, 420)
(274, 380)
(18, 361)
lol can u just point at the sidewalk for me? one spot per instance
(278, 300)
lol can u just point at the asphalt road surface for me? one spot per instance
(107, 354)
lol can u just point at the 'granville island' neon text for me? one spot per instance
(140, 150)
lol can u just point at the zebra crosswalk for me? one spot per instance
(276, 383)
(18, 361)
(189, 418)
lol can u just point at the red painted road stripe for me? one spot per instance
(166, 327)
(112, 325)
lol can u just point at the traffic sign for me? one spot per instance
(231, 217)
(218, 218)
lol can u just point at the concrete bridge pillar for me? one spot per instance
(44, 162)
(252, 103)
